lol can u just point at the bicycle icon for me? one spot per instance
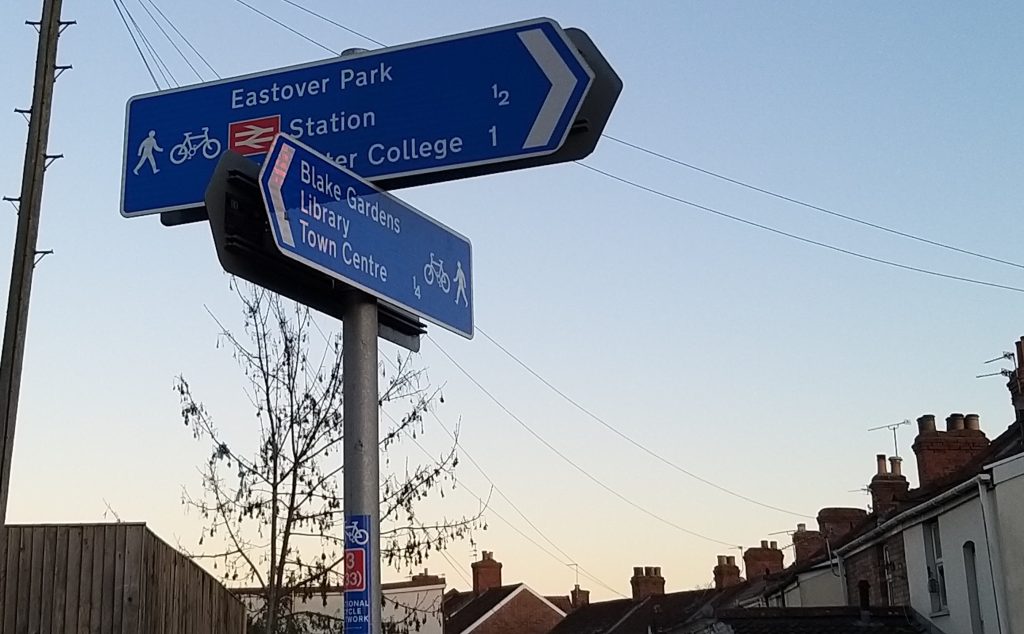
(194, 143)
(434, 271)
(356, 535)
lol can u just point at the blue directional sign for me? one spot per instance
(500, 94)
(327, 217)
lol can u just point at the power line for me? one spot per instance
(793, 236)
(337, 24)
(137, 47)
(184, 39)
(169, 39)
(515, 528)
(568, 460)
(285, 26)
(491, 482)
(797, 201)
(741, 184)
(165, 71)
(629, 439)
(456, 567)
(508, 500)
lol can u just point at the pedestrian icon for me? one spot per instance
(146, 149)
(460, 283)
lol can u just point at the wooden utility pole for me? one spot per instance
(13, 352)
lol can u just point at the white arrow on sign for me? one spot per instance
(563, 82)
(284, 160)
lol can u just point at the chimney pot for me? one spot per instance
(896, 463)
(773, 545)
(955, 422)
(638, 571)
(972, 422)
(721, 560)
(801, 527)
(881, 464)
(648, 571)
(926, 423)
(730, 560)
(657, 571)
(764, 543)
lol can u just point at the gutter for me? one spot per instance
(994, 551)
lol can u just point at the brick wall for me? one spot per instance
(869, 565)
(524, 614)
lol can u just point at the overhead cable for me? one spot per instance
(797, 201)
(337, 24)
(568, 460)
(170, 39)
(137, 47)
(184, 39)
(794, 236)
(285, 26)
(631, 440)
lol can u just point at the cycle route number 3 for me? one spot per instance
(355, 569)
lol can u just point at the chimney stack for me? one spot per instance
(763, 560)
(426, 579)
(888, 489)
(486, 573)
(836, 522)
(726, 573)
(579, 598)
(647, 581)
(1016, 384)
(807, 544)
(942, 453)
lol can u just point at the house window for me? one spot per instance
(889, 569)
(971, 568)
(936, 569)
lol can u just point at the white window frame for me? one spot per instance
(936, 567)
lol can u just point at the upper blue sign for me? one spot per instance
(327, 217)
(499, 94)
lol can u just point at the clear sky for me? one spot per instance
(745, 357)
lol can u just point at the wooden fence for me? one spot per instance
(107, 579)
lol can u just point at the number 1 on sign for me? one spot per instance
(494, 136)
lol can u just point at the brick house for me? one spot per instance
(493, 608)
(649, 609)
(939, 548)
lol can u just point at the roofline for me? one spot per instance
(949, 495)
(1004, 461)
(486, 615)
(629, 613)
(391, 586)
(503, 602)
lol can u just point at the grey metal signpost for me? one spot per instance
(516, 96)
(362, 455)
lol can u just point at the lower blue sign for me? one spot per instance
(359, 570)
(327, 217)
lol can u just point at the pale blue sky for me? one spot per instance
(743, 356)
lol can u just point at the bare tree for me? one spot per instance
(274, 515)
